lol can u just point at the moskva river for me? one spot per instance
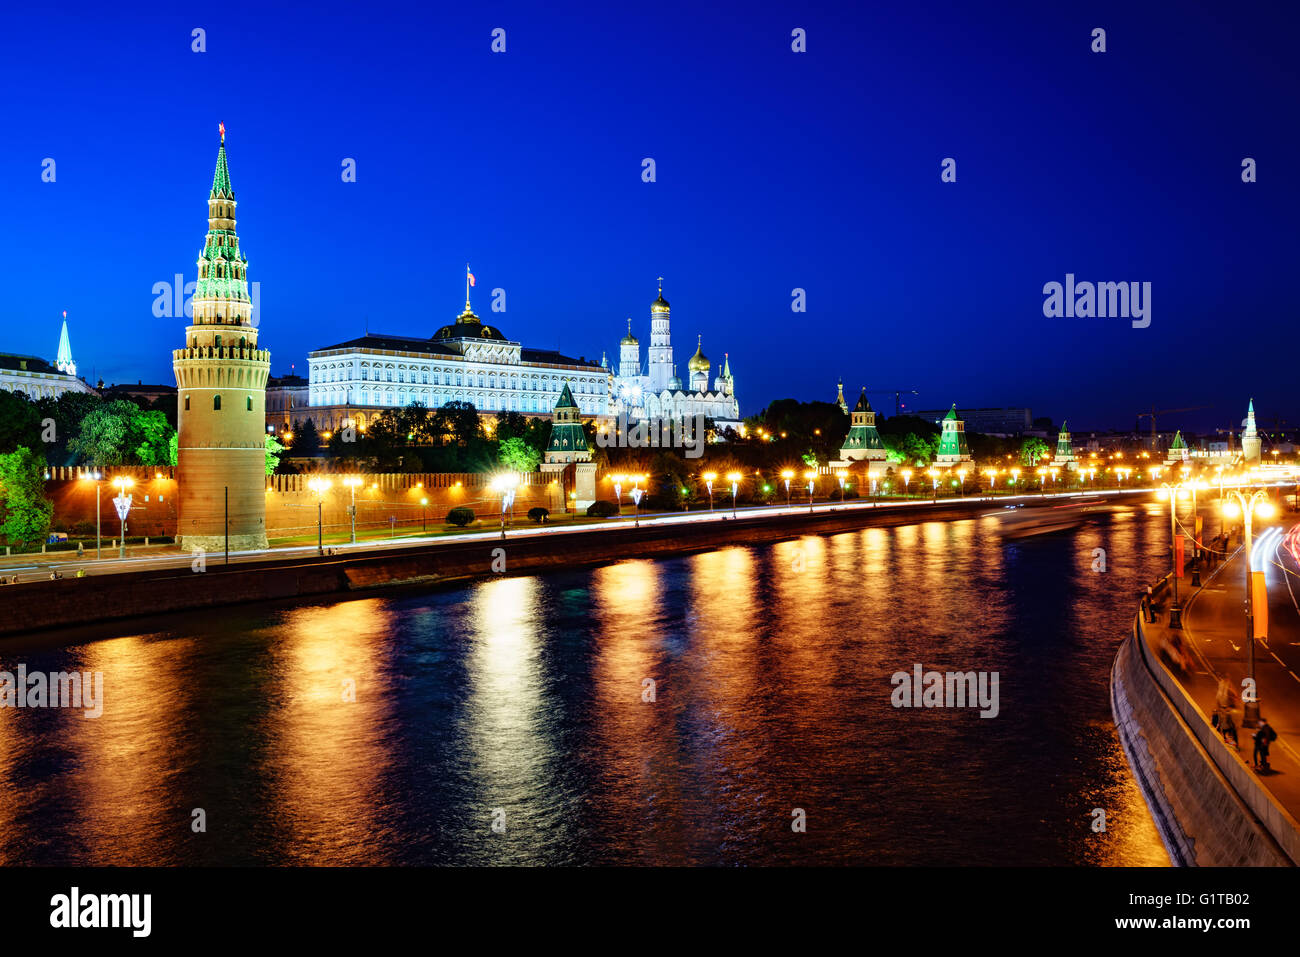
(734, 707)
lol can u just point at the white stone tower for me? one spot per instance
(661, 346)
(629, 355)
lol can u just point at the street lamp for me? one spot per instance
(992, 476)
(708, 481)
(787, 475)
(734, 479)
(507, 483)
(320, 486)
(1248, 508)
(1174, 492)
(907, 481)
(812, 482)
(96, 477)
(961, 474)
(122, 502)
(934, 482)
(424, 516)
(352, 482)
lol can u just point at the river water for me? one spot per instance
(506, 721)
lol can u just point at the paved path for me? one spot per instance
(1214, 620)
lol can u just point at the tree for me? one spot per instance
(510, 425)
(306, 440)
(20, 422)
(273, 450)
(121, 433)
(1031, 450)
(27, 512)
(518, 456)
(66, 412)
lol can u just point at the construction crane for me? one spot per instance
(1157, 412)
(897, 394)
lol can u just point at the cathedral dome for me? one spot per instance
(699, 362)
(660, 304)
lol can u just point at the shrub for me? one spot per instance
(460, 516)
(851, 493)
(539, 514)
(602, 509)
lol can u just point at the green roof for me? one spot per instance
(566, 398)
(1178, 441)
(952, 413)
(221, 178)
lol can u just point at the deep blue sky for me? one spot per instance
(775, 170)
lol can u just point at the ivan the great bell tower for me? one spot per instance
(221, 393)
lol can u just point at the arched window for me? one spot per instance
(187, 403)
(216, 403)
(250, 403)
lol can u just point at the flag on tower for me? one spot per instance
(470, 275)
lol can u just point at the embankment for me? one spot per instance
(1209, 808)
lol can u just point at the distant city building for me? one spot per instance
(464, 361)
(287, 402)
(952, 440)
(1008, 421)
(1251, 445)
(39, 378)
(1178, 451)
(221, 380)
(147, 392)
(658, 393)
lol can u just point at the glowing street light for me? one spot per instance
(734, 479)
(787, 475)
(352, 482)
(96, 477)
(812, 483)
(507, 483)
(708, 481)
(961, 475)
(122, 502)
(1259, 505)
(907, 480)
(320, 486)
(1173, 493)
(992, 476)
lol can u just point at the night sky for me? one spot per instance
(775, 170)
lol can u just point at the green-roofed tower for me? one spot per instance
(863, 441)
(1252, 447)
(221, 393)
(568, 441)
(1064, 449)
(952, 440)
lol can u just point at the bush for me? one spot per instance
(539, 514)
(460, 516)
(602, 509)
(851, 493)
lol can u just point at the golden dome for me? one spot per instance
(660, 304)
(629, 339)
(699, 362)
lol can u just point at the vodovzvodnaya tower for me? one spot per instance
(221, 393)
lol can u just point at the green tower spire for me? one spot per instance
(223, 269)
(568, 440)
(1064, 447)
(863, 434)
(952, 439)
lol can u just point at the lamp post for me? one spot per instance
(122, 501)
(636, 494)
(934, 483)
(992, 476)
(907, 481)
(352, 482)
(1015, 477)
(320, 486)
(787, 475)
(618, 490)
(1172, 493)
(1248, 508)
(424, 516)
(708, 482)
(506, 483)
(812, 483)
(97, 477)
(734, 479)
(961, 475)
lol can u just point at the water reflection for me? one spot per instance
(676, 711)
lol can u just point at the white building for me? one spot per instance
(658, 392)
(465, 361)
(38, 378)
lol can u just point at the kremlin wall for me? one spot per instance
(291, 505)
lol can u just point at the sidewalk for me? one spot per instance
(1214, 631)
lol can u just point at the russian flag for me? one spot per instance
(471, 276)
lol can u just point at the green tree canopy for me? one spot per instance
(27, 512)
(518, 456)
(1032, 450)
(121, 433)
(273, 450)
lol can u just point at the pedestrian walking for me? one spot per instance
(1228, 728)
(1264, 736)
